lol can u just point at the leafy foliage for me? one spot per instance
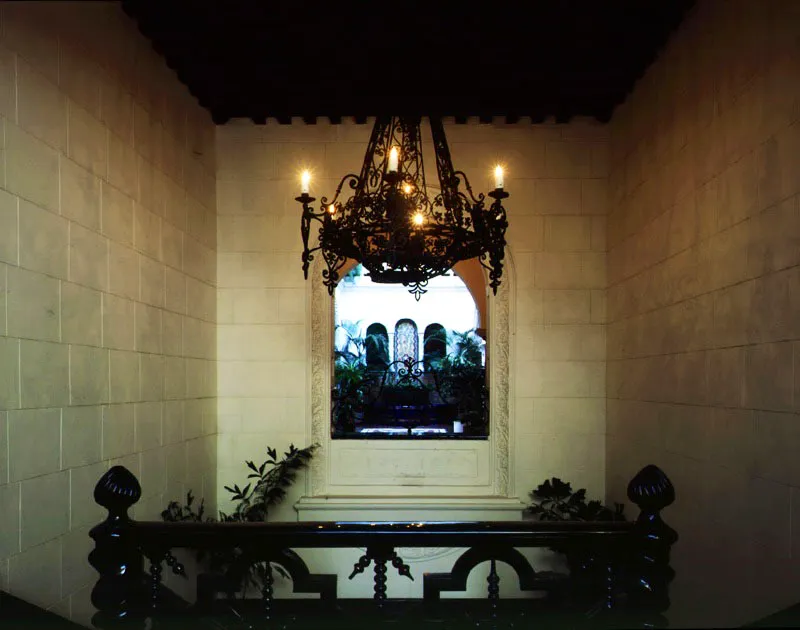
(272, 479)
(176, 513)
(268, 488)
(352, 347)
(462, 378)
(458, 378)
(351, 377)
(554, 500)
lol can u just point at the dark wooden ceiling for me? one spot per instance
(509, 58)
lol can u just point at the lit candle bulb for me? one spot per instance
(418, 218)
(407, 188)
(394, 157)
(305, 180)
(331, 209)
(498, 176)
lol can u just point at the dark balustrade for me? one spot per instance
(619, 571)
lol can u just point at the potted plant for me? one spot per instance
(266, 487)
(555, 500)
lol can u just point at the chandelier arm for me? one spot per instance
(478, 216)
(308, 258)
(472, 197)
(350, 178)
(496, 225)
(494, 267)
(305, 230)
(330, 276)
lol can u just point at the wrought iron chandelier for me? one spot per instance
(391, 225)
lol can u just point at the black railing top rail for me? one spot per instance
(358, 534)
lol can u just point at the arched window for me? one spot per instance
(434, 345)
(433, 396)
(406, 342)
(377, 347)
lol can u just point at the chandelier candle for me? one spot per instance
(305, 180)
(392, 226)
(394, 157)
(498, 177)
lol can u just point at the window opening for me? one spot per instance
(385, 385)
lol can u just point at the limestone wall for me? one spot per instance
(107, 287)
(704, 303)
(557, 178)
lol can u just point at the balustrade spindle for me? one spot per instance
(156, 571)
(494, 587)
(380, 580)
(402, 568)
(267, 591)
(358, 567)
(610, 595)
(172, 563)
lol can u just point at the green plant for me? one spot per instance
(554, 500)
(349, 392)
(467, 349)
(267, 488)
(273, 477)
(352, 378)
(461, 379)
(352, 347)
(176, 513)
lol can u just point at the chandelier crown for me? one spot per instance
(393, 226)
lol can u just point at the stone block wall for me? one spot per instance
(557, 178)
(107, 287)
(704, 303)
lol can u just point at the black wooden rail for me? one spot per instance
(619, 571)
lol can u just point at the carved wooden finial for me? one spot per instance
(651, 489)
(116, 556)
(117, 490)
(649, 570)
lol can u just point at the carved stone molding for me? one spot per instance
(499, 348)
(321, 319)
(321, 315)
